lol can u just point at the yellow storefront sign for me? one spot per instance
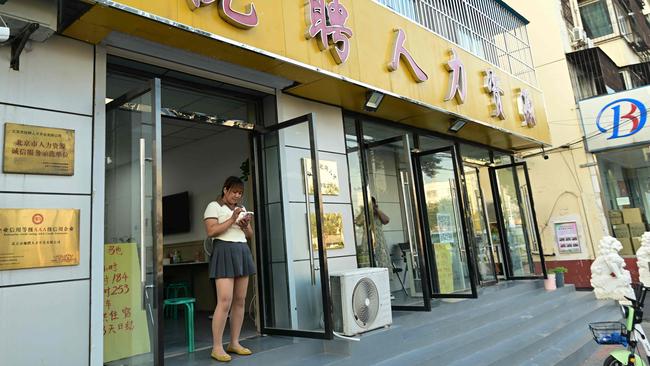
(126, 332)
(38, 150)
(359, 48)
(31, 238)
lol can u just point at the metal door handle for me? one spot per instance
(143, 252)
(312, 268)
(404, 182)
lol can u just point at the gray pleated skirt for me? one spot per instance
(230, 259)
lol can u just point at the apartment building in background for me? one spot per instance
(591, 59)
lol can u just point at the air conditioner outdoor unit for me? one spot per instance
(361, 300)
(578, 35)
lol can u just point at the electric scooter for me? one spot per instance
(628, 335)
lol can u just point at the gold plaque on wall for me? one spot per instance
(38, 150)
(332, 231)
(32, 237)
(329, 177)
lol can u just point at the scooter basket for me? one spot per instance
(608, 332)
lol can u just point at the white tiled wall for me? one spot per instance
(46, 310)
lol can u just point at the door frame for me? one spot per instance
(154, 87)
(486, 222)
(422, 260)
(424, 228)
(501, 222)
(258, 170)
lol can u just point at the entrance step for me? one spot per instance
(510, 323)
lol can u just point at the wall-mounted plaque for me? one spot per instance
(332, 231)
(329, 177)
(38, 150)
(32, 237)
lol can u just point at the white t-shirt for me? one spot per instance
(222, 213)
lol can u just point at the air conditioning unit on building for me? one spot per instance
(578, 35)
(360, 300)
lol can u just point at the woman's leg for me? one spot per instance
(224, 299)
(237, 312)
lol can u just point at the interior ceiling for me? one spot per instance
(633, 158)
(177, 133)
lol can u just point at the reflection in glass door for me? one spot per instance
(443, 224)
(481, 237)
(294, 266)
(517, 217)
(386, 228)
(132, 232)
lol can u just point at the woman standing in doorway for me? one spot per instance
(230, 265)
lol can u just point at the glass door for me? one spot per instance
(480, 232)
(133, 232)
(442, 213)
(295, 297)
(517, 222)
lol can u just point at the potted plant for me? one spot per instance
(559, 275)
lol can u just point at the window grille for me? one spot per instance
(485, 28)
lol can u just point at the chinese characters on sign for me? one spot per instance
(491, 85)
(245, 20)
(31, 238)
(526, 108)
(126, 332)
(329, 177)
(566, 237)
(327, 24)
(38, 150)
(400, 51)
(458, 79)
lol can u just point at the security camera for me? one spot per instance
(5, 32)
(545, 157)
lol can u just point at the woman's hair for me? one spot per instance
(231, 182)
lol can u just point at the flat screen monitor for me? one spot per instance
(176, 213)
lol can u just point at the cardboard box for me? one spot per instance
(621, 231)
(636, 244)
(627, 246)
(632, 215)
(637, 230)
(615, 217)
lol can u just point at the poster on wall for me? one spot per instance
(34, 238)
(329, 177)
(38, 150)
(567, 238)
(126, 332)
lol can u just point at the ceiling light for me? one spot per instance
(373, 100)
(457, 125)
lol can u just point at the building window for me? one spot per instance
(595, 18)
(567, 14)
(623, 20)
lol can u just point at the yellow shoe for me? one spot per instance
(242, 351)
(221, 358)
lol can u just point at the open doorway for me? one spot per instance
(193, 173)
(171, 141)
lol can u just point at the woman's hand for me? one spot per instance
(243, 223)
(235, 215)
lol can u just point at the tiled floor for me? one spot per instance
(176, 344)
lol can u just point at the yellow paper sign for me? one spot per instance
(38, 150)
(126, 332)
(31, 237)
